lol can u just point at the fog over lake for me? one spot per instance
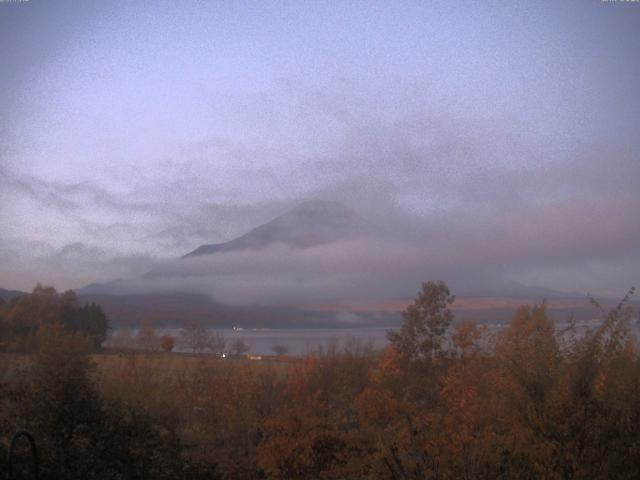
(304, 341)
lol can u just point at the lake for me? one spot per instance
(303, 341)
(297, 341)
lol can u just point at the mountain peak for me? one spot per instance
(310, 223)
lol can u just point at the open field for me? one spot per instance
(164, 368)
(158, 368)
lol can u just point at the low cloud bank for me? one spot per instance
(571, 245)
(475, 257)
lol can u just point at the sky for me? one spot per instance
(495, 139)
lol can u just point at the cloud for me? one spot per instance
(25, 263)
(464, 196)
(67, 196)
(475, 256)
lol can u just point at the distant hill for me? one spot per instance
(516, 290)
(112, 287)
(178, 309)
(309, 224)
(7, 295)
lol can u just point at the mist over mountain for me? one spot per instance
(318, 264)
(309, 224)
(312, 233)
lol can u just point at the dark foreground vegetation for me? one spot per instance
(24, 316)
(442, 402)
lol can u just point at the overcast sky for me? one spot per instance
(501, 137)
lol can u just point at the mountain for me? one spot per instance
(179, 309)
(309, 224)
(7, 295)
(515, 290)
(112, 287)
(172, 293)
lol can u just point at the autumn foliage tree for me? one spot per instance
(315, 431)
(529, 402)
(426, 322)
(167, 343)
(146, 338)
(22, 317)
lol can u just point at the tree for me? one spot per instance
(147, 338)
(122, 337)
(92, 322)
(314, 432)
(280, 350)
(81, 434)
(216, 343)
(466, 336)
(4, 328)
(44, 307)
(425, 323)
(56, 400)
(167, 343)
(239, 347)
(195, 337)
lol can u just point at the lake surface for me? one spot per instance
(297, 341)
(304, 341)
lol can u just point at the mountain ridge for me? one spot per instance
(308, 224)
(7, 295)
